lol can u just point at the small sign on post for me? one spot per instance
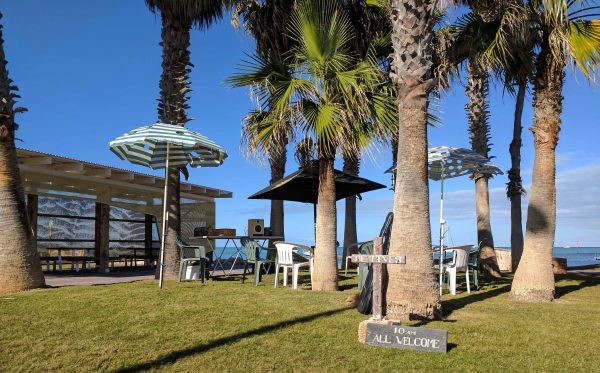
(378, 332)
(377, 260)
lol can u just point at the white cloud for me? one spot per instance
(578, 209)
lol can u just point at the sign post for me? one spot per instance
(378, 260)
(379, 332)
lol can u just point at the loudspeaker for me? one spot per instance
(256, 227)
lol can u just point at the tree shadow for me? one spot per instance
(454, 304)
(202, 348)
(344, 287)
(585, 280)
(425, 322)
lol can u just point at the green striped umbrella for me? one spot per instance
(147, 146)
(163, 146)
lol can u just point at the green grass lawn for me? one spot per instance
(226, 326)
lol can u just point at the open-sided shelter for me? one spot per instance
(107, 188)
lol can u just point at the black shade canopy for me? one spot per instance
(303, 185)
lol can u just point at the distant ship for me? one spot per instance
(577, 245)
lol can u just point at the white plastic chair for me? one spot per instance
(460, 262)
(348, 252)
(285, 260)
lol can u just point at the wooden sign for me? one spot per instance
(383, 259)
(377, 261)
(407, 337)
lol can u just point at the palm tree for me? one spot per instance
(351, 166)
(371, 29)
(496, 46)
(331, 97)
(178, 17)
(276, 152)
(479, 129)
(473, 36)
(20, 267)
(412, 290)
(266, 22)
(568, 34)
(514, 187)
(518, 73)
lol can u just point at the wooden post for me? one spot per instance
(377, 280)
(148, 220)
(101, 236)
(378, 260)
(32, 213)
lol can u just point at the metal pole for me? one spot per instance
(442, 222)
(315, 221)
(161, 270)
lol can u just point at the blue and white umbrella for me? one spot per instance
(445, 162)
(162, 146)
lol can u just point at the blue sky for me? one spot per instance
(88, 72)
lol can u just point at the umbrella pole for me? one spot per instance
(315, 221)
(442, 222)
(161, 270)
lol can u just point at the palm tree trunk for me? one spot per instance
(172, 252)
(20, 267)
(479, 129)
(351, 166)
(277, 160)
(514, 189)
(534, 279)
(325, 260)
(412, 290)
(174, 86)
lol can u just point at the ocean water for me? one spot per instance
(576, 256)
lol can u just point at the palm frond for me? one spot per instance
(198, 13)
(584, 46)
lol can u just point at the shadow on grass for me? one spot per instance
(451, 305)
(344, 287)
(200, 349)
(584, 281)
(230, 278)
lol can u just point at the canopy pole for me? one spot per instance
(442, 223)
(161, 270)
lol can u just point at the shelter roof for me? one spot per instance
(50, 174)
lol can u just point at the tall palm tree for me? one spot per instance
(412, 290)
(517, 74)
(266, 22)
(351, 166)
(331, 97)
(569, 34)
(479, 130)
(495, 46)
(178, 17)
(275, 152)
(371, 30)
(514, 187)
(20, 267)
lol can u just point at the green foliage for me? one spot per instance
(199, 13)
(572, 29)
(321, 87)
(502, 46)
